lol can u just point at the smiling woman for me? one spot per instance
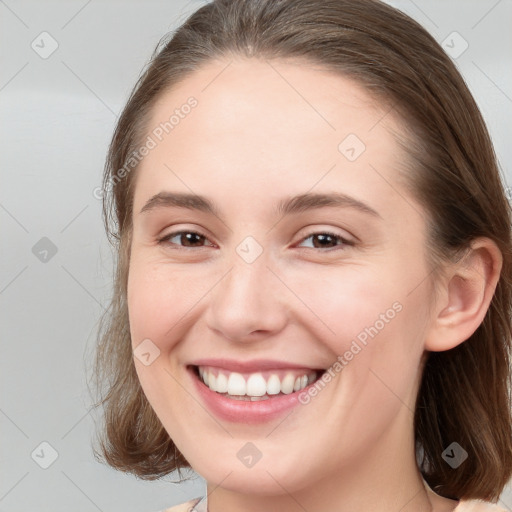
(327, 222)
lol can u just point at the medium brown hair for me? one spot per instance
(464, 392)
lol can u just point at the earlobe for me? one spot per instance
(465, 296)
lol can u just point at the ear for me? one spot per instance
(464, 296)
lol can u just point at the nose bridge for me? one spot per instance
(247, 299)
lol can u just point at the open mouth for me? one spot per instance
(256, 386)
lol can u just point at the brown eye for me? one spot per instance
(327, 240)
(188, 239)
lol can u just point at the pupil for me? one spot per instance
(190, 236)
(323, 238)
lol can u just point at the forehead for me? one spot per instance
(264, 91)
(270, 126)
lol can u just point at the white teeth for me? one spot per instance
(236, 384)
(287, 384)
(212, 382)
(273, 385)
(222, 383)
(256, 387)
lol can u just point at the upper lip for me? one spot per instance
(250, 366)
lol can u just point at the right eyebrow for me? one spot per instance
(180, 200)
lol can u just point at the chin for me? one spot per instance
(263, 479)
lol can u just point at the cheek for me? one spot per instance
(149, 304)
(158, 301)
(372, 315)
(144, 304)
(339, 303)
(162, 299)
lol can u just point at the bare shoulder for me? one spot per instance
(188, 506)
(477, 506)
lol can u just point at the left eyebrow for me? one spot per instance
(309, 201)
(295, 204)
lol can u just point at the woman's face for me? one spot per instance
(275, 285)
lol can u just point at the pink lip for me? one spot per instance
(250, 366)
(239, 411)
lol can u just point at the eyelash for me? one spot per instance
(344, 242)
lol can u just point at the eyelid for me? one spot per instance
(345, 242)
(172, 234)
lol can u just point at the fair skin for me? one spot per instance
(254, 139)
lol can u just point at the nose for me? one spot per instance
(249, 303)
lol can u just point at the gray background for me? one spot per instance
(57, 115)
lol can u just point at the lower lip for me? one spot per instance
(241, 411)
